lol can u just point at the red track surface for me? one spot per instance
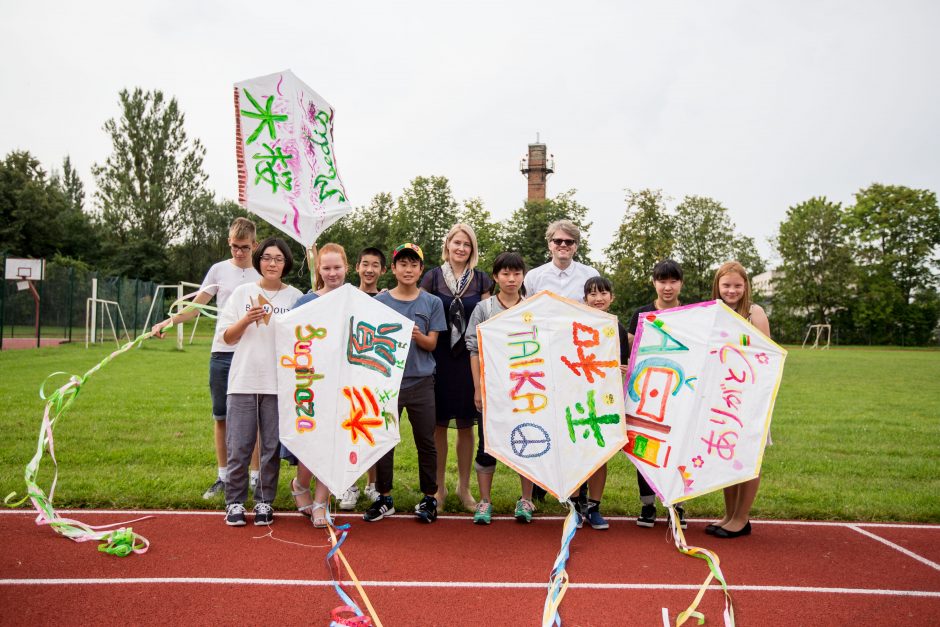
(198, 571)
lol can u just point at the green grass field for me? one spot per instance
(856, 432)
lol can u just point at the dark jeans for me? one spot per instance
(418, 399)
(219, 365)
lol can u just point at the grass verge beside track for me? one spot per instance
(855, 431)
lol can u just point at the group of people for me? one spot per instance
(441, 380)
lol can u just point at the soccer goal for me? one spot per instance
(819, 330)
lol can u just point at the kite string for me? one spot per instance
(714, 565)
(558, 582)
(56, 405)
(336, 554)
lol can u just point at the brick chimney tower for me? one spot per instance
(536, 167)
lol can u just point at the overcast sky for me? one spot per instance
(760, 105)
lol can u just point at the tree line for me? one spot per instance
(868, 269)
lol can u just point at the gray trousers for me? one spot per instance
(248, 415)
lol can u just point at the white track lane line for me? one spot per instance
(455, 585)
(909, 553)
(464, 517)
(666, 622)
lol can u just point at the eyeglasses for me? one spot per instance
(268, 259)
(566, 242)
(240, 249)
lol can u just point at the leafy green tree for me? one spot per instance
(204, 240)
(364, 227)
(896, 231)
(149, 183)
(816, 260)
(524, 231)
(425, 212)
(72, 186)
(644, 237)
(489, 233)
(705, 238)
(36, 219)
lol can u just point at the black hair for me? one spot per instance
(281, 246)
(598, 284)
(510, 261)
(667, 269)
(375, 252)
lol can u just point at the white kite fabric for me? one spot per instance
(699, 399)
(340, 362)
(287, 171)
(552, 390)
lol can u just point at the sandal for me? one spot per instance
(304, 505)
(319, 521)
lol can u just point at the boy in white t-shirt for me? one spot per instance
(221, 281)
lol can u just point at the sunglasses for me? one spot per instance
(563, 242)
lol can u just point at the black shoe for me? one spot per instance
(680, 511)
(380, 508)
(721, 532)
(711, 529)
(426, 511)
(647, 517)
(264, 515)
(235, 515)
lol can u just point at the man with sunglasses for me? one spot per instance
(562, 275)
(220, 282)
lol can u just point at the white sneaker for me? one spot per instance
(371, 492)
(350, 498)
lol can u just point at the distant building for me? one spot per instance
(763, 283)
(536, 167)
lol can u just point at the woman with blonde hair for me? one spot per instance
(460, 286)
(731, 285)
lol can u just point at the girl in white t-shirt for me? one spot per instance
(246, 323)
(330, 269)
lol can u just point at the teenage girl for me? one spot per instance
(731, 285)
(247, 324)
(330, 268)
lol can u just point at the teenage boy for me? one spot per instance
(417, 385)
(221, 281)
(370, 267)
(667, 280)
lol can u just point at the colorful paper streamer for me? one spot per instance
(116, 542)
(558, 583)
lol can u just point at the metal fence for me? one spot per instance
(63, 305)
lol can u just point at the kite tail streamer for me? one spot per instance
(358, 619)
(558, 583)
(119, 542)
(714, 565)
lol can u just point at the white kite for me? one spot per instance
(286, 160)
(340, 364)
(552, 390)
(699, 399)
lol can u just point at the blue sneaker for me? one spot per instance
(595, 519)
(426, 511)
